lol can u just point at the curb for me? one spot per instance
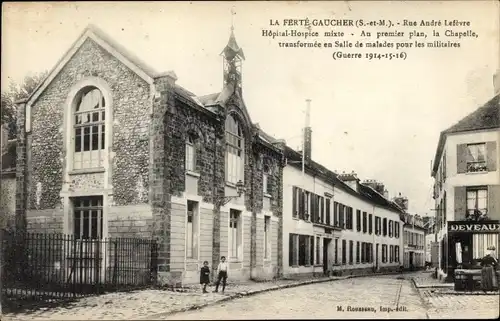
(424, 302)
(253, 292)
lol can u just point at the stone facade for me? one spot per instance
(142, 180)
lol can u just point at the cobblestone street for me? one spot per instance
(323, 301)
(341, 298)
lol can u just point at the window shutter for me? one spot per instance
(290, 249)
(294, 206)
(460, 202)
(461, 158)
(494, 202)
(491, 156)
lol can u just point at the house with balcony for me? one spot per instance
(333, 223)
(109, 147)
(467, 188)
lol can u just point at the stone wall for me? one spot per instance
(130, 144)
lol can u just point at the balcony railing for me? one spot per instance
(474, 167)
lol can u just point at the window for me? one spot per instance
(89, 129)
(351, 252)
(322, 209)
(87, 223)
(370, 223)
(390, 253)
(476, 158)
(336, 213)
(396, 229)
(477, 202)
(357, 252)
(390, 228)
(336, 251)
(351, 219)
(293, 248)
(364, 222)
(304, 214)
(234, 151)
(341, 215)
(384, 227)
(328, 211)
(358, 220)
(396, 253)
(377, 225)
(235, 236)
(298, 202)
(318, 250)
(267, 244)
(266, 180)
(192, 230)
(306, 250)
(190, 154)
(344, 252)
(384, 253)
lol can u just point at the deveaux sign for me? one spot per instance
(474, 227)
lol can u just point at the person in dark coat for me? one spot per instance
(205, 276)
(488, 273)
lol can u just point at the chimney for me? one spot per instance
(350, 179)
(307, 134)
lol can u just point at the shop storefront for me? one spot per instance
(467, 245)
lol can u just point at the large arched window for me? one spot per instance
(89, 128)
(234, 151)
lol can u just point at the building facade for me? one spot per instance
(334, 223)
(414, 238)
(108, 147)
(467, 187)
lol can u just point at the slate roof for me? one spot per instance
(485, 117)
(365, 192)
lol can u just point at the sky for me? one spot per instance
(378, 118)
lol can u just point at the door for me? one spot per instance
(411, 260)
(326, 258)
(376, 257)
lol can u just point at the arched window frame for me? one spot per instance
(69, 119)
(89, 128)
(191, 153)
(235, 150)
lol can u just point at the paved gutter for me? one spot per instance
(253, 292)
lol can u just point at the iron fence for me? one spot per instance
(48, 267)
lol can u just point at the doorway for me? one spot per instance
(326, 261)
(410, 259)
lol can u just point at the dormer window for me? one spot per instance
(89, 128)
(234, 151)
(190, 154)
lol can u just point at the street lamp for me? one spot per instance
(240, 189)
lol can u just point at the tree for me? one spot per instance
(15, 93)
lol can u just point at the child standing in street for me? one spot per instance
(222, 271)
(205, 276)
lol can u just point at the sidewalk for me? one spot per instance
(147, 304)
(443, 302)
(425, 280)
